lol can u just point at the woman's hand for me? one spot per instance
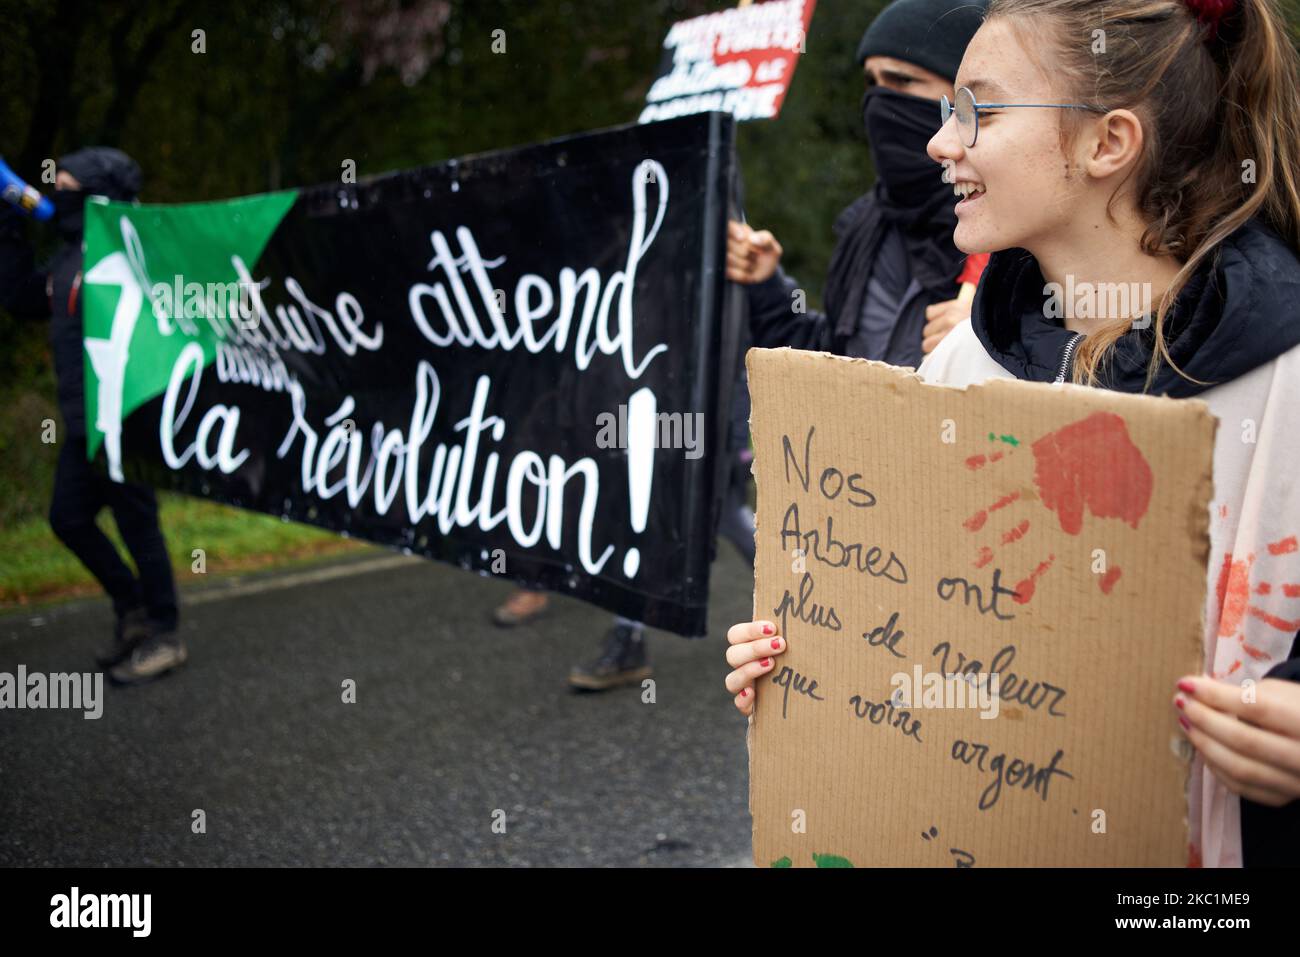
(940, 319)
(1253, 747)
(751, 256)
(751, 648)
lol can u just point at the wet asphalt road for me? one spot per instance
(454, 720)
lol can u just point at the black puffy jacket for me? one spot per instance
(774, 320)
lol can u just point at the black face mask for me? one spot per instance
(899, 126)
(69, 212)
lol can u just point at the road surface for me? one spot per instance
(454, 722)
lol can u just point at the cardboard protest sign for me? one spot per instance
(511, 362)
(740, 61)
(1045, 546)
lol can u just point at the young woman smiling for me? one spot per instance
(1152, 142)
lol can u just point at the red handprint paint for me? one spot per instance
(1016, 533)
(976, 521)
(977, 462)
(1234, 589)
(1109, 579)
(1092, 465)
(1089, 466)
(1025, 588)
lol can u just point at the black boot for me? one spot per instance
(160, 653)
(130, 629)
(622, 661)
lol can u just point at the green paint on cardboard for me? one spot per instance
(831, 860)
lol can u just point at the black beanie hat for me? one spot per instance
(930, 33)
(104, 171)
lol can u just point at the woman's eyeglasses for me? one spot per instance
(968, 112)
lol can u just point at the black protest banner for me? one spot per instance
(512, 362)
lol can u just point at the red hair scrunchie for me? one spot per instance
(1211, 13)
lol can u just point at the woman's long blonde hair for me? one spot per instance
(1222, 143)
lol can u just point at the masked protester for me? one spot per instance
(145, 643)
(892, 289)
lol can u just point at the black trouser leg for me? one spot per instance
(78, 498)
(135, 509)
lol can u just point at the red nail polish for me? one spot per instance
(1179, 703)
(776, 643)
(768, 629)
(1187, 686)
(765, 662)
(744, 692)
(1184, 722)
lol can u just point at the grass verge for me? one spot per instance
(36, 568)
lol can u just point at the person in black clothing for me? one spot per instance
(892, 289)
(145, 643)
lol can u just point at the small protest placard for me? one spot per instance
(988, 595)
(739, 61)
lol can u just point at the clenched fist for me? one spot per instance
(940, 319)
(751, 256)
